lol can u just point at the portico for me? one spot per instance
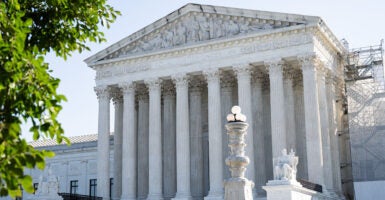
(178, 77)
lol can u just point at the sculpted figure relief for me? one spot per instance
(218, 28)
(204, 29)
(193, 31)
(231, 28)
(197, 28)
(179, 34)
(167, 38)
(285, 166)
(244, 26)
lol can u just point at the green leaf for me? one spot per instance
(28, 93)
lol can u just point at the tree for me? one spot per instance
(29, 29)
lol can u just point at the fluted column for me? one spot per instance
(155, 140)
(332, 110)
(300, 128)
(142, 136)
(196, 139)
(129, 143)
(325, 131)
(103, 158)
(182, 137)
(215, 131)
(117, 98)
(289, 108)
(259, 135)
(169, 140)
(243, 72)
(267, 128)
(227, 85)
(277, 103)
(312, 120)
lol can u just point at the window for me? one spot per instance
(74, 186)
(35, 187)
(93, 184)
(111, 185)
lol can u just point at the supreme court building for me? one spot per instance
(173, 82)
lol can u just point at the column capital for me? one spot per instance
(309, 62)
(211, 74)
(142, 93)
(242, 69)
(180, 79)
(196, 85)
(168, 88)
(289, 73)
(274, 66)
(298, 81)
(273, 62)
(103, 92)
(259, 77)
(153, 84)
(227, 80)
(128, 87)
(117, 96)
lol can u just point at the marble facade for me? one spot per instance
(173, 81)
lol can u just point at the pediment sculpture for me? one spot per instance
(194, 28)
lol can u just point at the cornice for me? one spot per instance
(328, 39)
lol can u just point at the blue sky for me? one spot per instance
(360, 22)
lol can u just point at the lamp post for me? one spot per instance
(237, 187)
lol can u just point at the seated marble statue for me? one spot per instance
(47, 189)
(285, 166)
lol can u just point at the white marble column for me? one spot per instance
(196, 138)
(267, 128)
(332, 111)
(169, 140)
(117, 98)
(259, 134)
(182, 138)
(155, 141)
(142, 136)
(227, 86)
(103, 173)
(243, 72)
(129, 143)
(289, 108)
(325, 131)
(300, 127)
(215, 134)
(277, 103)
(312, 120)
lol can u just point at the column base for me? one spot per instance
(155, 197)
(182, 196)
(214, 195)
(128, 198)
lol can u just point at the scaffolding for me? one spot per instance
(365, 96)
(361, 62)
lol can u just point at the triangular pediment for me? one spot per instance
(194, 23)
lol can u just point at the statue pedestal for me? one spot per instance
(282, 191)
(238, 189)
(46, 197)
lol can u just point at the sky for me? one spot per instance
(360, 22)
